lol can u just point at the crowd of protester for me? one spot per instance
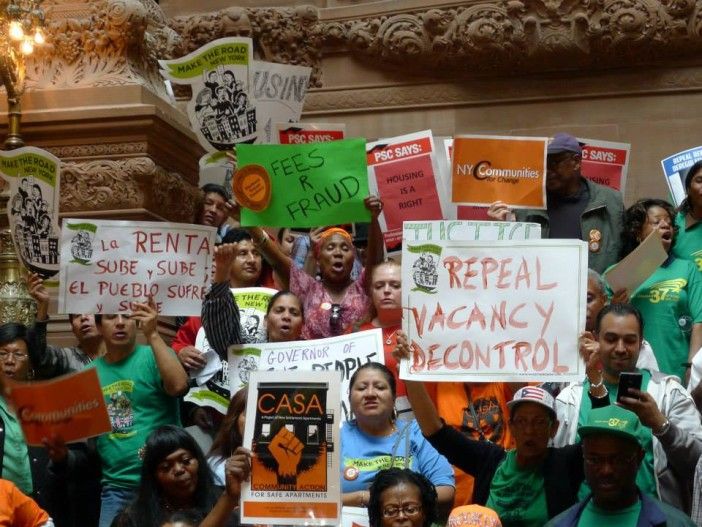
(413, 453)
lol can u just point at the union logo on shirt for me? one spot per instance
(697, 258)
(665, 291)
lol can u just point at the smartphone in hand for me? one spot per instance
(628, 380)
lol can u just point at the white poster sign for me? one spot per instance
(494, 311)
(106, 266)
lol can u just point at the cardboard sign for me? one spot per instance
(292, 431)
(403, 172)
(222, 110)
(675, 170)
(313, 185)
(34, 187)
(71, 406)
(305, 133)
(458, 230)
(213, 381)
(217, 168)
(606, 163)
(108, 265)
(494, 311)
(345, 354)
(486, 169)
(634, 269)
(279, 91)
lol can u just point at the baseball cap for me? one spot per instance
(563, 142)
(612, 420)
(533, 394)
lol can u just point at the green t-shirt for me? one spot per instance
(645, 477)
(518, 496)
(670, 301)
(593, 516)
(137, 404)
(15, 459)
(688, 241)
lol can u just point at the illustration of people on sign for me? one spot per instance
(222, 109)
(34, 234)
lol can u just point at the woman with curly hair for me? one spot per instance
(175, 478)
(670, 300)
(401, 493)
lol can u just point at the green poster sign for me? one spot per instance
(29, 164)
(312, 185)
(194, 65)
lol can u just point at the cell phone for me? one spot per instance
(628, 380)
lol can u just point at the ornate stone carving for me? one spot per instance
(117, 44)
(101, 149)
(130, 183)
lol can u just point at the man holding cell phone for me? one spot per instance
(672, 432)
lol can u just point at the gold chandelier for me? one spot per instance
(21, 23)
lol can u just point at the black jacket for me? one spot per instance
(562, 468)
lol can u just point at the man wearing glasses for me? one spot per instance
(671, 435)
(575, 207)
(612, 454)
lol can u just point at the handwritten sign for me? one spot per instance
(403, 171)
(606, 162)
(34, 187)
(494, 311)
(293, 434)
(487, 168)
(305, 133)
(108, 265)
(313, 185)
(675, 170)
(71, 406)
(345, 354)
(279, 91)
(222, 109)
(460, 230)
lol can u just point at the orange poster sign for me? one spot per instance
(496, 168)
(71, 406)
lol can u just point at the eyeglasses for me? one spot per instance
(17, 355)
(618, 462)
(411, 509)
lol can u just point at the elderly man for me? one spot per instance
(671, 437)
(612, 454)
(575, 207)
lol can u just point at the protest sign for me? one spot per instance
(279, 91)
(460, 230)
(487, 168)
(222, 110)
(106, 266)
(605, 162)
(71, 406)
(217, 168)
(292, 430)
(494, 311)
(213, 390)
(354, 517)
(34, 188)
(635, 268)
(403, 172)
(309, 183)
(345, 354)
(304, 133)
(675, 170)
(452, 210)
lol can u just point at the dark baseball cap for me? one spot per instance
(563, 142)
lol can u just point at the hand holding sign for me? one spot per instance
(237, 469)
(145, 315)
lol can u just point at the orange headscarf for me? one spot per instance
(330, 232)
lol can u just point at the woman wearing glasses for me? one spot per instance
(525, 486)
(401, 496)
(375, 440)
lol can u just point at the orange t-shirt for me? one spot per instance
(18, 510)
(480, 411)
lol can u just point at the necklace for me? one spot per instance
(388, 336)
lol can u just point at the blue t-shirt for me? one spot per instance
(137, 404)
(363, 455)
